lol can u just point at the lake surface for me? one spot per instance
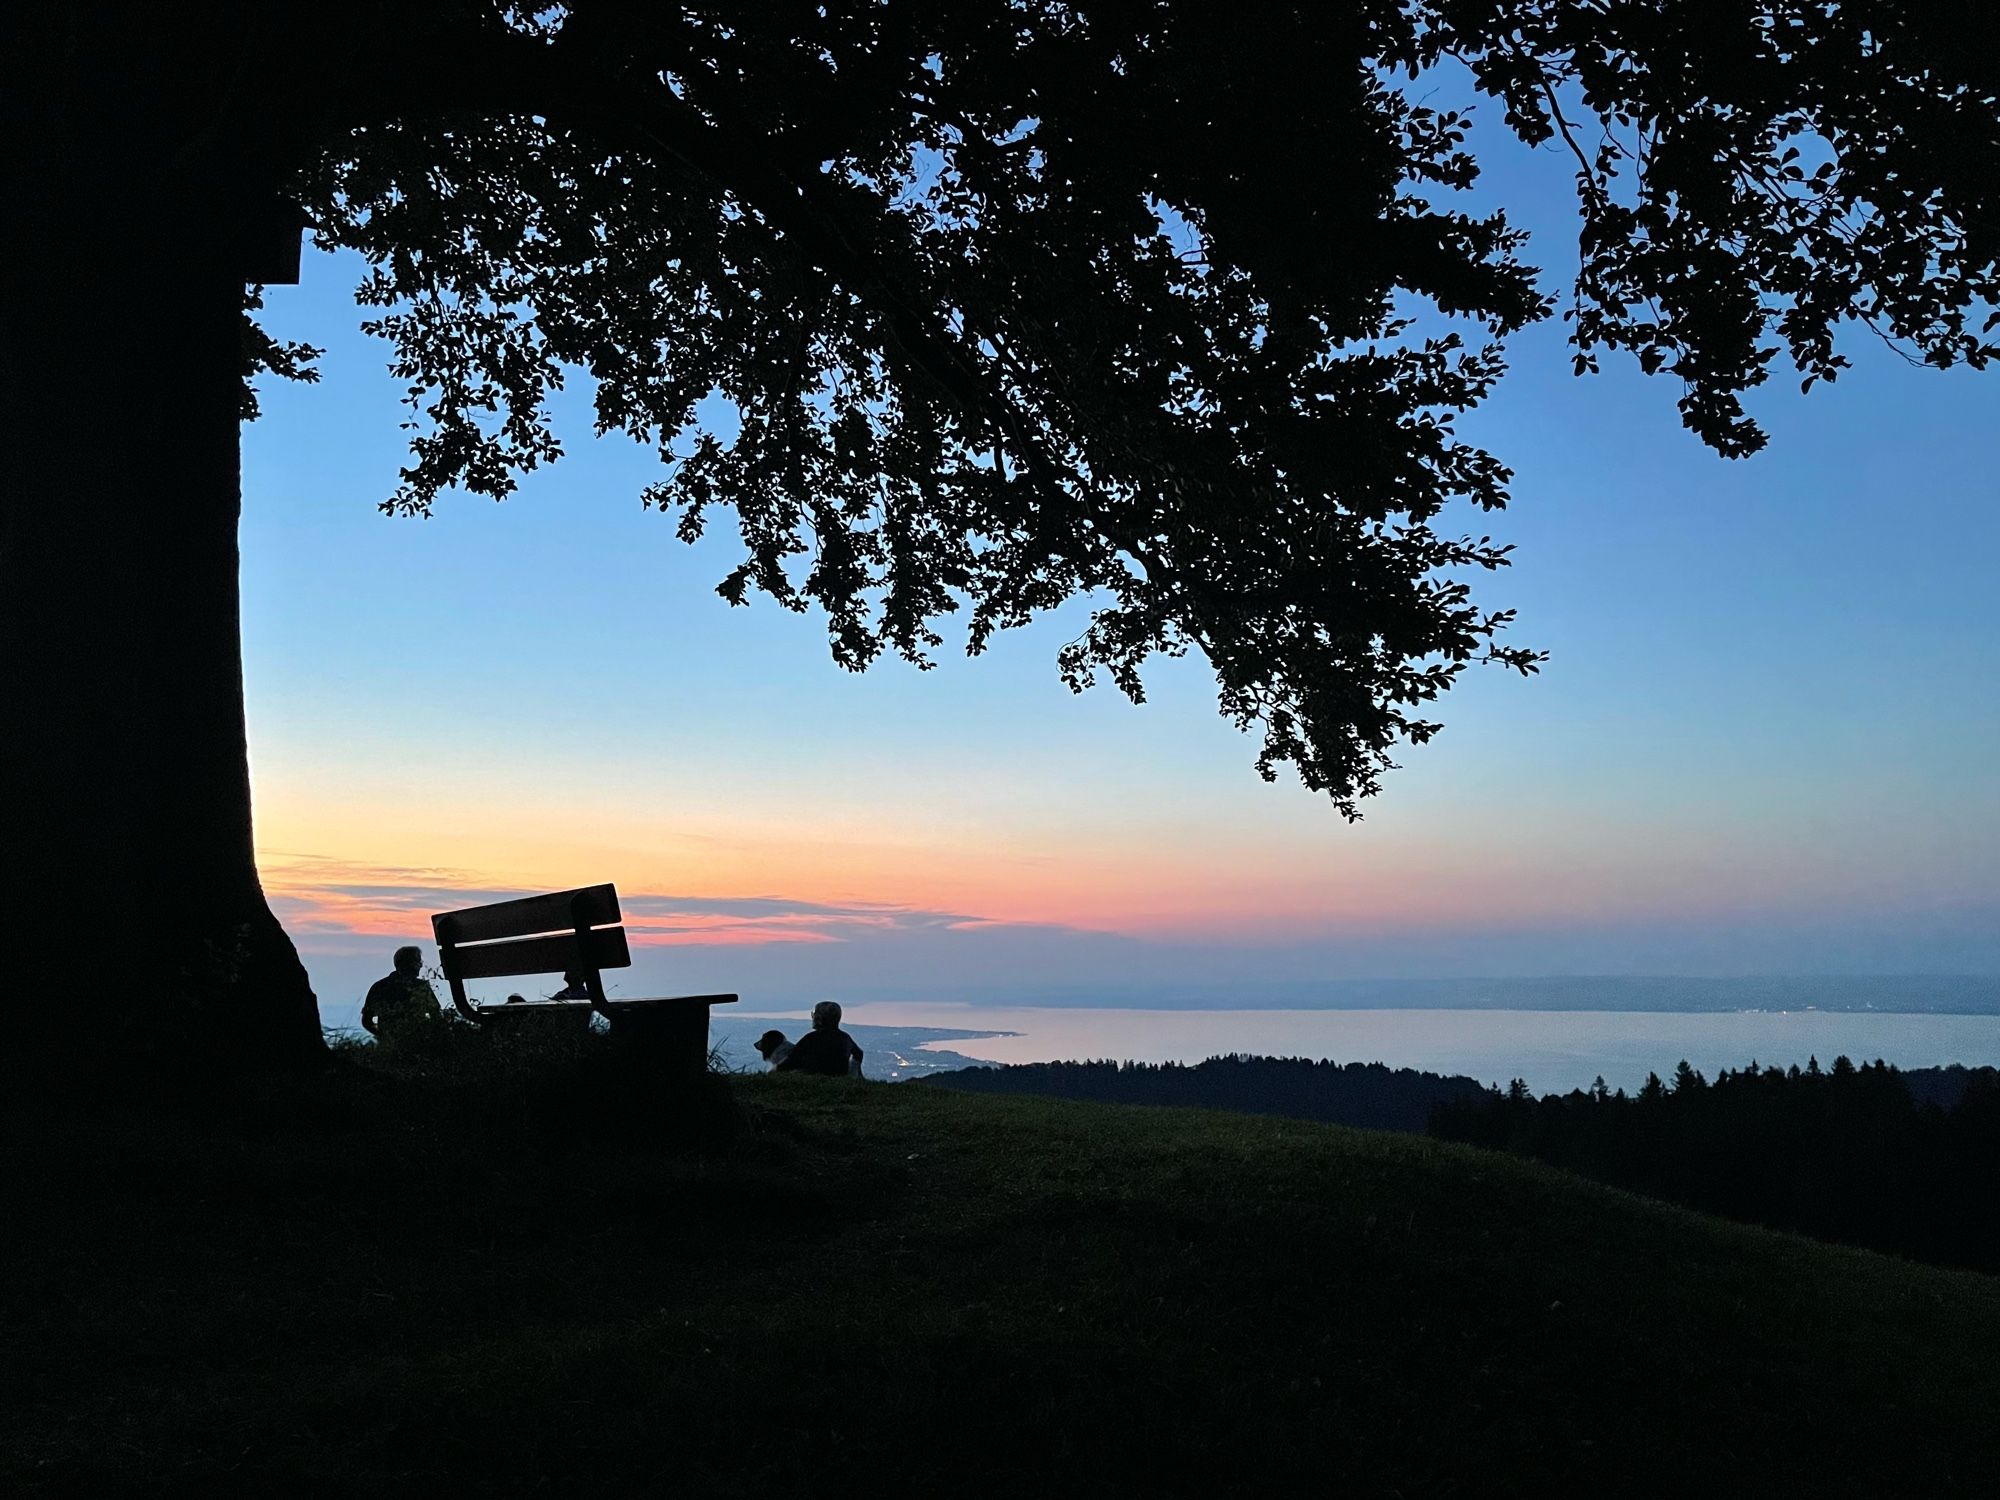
(1553, 1050)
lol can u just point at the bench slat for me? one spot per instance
(541, 955)
(587, 906)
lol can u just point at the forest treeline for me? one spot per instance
(1871, 1155)
(1366, 1094)
(1868, 1155)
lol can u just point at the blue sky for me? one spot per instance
(1762, 744)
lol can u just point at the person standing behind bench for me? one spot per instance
(401, 1004)
(826, 1049)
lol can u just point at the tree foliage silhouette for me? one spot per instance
(1364, 1094)
(1868, 1155)
(1162, 305)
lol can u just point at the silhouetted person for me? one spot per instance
(773, 1047)
(576, 986)
(826, 1049)
(402, 1003)
(517, 999)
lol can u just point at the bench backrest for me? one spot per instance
(552, 934)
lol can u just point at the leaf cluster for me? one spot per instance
(1753, 174)
(288, 359)
(975, 308)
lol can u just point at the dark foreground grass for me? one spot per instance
(566, 1282)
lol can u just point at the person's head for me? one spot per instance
(826, 1016)
(517, 999)
(578, 979)
(768, 1043)
(409, 960)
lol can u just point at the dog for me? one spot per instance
(773, 1047)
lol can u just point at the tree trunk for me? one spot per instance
(129, 882)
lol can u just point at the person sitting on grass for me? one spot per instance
(826, 1049)
(401, 1004)
(773, 1047)
(576, 986)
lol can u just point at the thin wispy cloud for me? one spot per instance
(329, 899)
(781, 907)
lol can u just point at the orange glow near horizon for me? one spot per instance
(1167, 879)
(1216, 896)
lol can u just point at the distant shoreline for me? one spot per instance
(1918, 995)
(1222, 1007)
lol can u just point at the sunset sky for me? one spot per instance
(1764, 742)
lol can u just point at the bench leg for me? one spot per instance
(676, 1034)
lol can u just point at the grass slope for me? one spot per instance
(384, 1285)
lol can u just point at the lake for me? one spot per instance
(1553, 1050)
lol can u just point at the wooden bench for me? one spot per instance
(567, 932)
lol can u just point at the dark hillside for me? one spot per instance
(395, 1287)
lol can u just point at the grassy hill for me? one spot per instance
(383, 1283)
